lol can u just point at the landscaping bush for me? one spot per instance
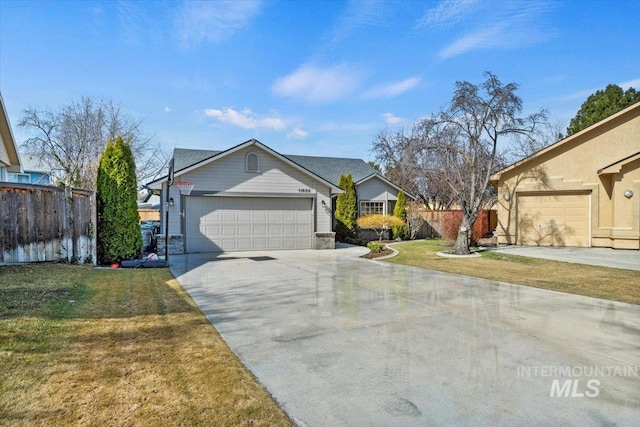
(379, 222)
(400, 211)
(374, 247)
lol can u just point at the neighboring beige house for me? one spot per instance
(251, 197)
(9, 157)
(581, 191)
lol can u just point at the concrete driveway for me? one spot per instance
(343, 341)
(604, 257)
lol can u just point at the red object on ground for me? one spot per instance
(115, 265)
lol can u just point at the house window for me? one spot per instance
(23, 178)
(252, 162)
(367, 208)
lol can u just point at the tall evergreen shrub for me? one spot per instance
(346, 208)
(119, 236)
(400, 211)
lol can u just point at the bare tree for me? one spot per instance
(546, 134)
(71, 140)
(404, 164)
(464, 138)
(459, 147)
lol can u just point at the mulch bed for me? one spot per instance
(385, 250)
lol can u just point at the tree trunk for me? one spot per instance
(461, 247)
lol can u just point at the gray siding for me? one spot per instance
(376, 189)
(228, 175)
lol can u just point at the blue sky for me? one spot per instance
(306, 77)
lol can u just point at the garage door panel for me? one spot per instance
(245, 216)
(274, 243)
(275, 230)
(211, 230)
(275, 216)
(259, 216)
(303, 229)
(259, 244)
(553, 220)
(230, 224)
(228, 230)
(259, 230)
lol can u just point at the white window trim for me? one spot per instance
(246, 162)
(384, 206)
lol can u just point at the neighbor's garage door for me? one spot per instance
(553, 220)
(247, 224)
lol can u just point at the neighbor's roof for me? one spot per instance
(632, 109)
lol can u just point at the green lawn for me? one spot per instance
(599, 282)
(85, 346)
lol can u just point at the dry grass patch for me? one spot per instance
(129, 347)
(600, 282)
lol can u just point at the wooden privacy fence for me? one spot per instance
(43, 223)
(445, 223)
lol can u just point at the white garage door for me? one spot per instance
(247, 224)
(553, 220)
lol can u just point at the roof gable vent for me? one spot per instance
(252, 162)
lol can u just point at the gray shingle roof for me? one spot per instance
(184, 157)
(328, 168)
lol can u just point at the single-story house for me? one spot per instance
(9, 157)
(251, 197)
(581, 191)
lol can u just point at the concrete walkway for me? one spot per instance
(604, 257)
(343, 341)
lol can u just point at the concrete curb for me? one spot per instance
(448, 255)
(391, 255)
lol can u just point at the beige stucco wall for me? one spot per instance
(572, 165)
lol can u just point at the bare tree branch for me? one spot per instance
(71, 141)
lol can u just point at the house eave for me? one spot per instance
(495, 178)
(158, 183)
(382, 178)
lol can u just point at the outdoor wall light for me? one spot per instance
(324, 204)
(628, 194)
(170, 203)
(507, 197)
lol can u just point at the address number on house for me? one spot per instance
(304, 190)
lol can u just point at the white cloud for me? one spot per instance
(391, 119)
(213, 21)
(500, 25)
(359, 14)
(318, 85)
(485, 38)
(246, 119)
(167, 109)
(297, 133)
(635, 83)
(447, 13)
(392, 89)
